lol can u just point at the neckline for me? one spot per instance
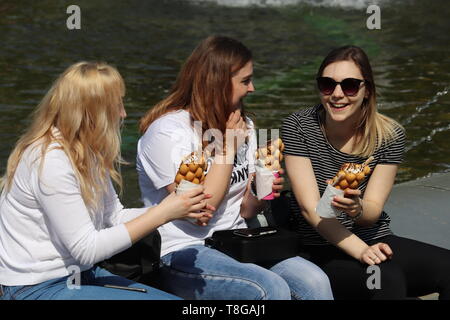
(324, 136)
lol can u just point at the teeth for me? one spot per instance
(338, 105)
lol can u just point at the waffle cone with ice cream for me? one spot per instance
(271, 155)
(192, 169)
(351, 175)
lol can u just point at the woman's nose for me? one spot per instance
(251, 87)
(338, 93)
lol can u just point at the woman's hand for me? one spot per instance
(237, 128)
(376, 254)
(191, 204)
(351, 203)
(278, 184)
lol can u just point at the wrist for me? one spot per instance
(160, 213)
(359, 214)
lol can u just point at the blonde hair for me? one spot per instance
(84, 104)
(374, 128)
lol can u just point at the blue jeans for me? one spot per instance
(91, 288)
(199, 272)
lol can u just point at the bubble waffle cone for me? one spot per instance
(192, 169)
(271, 155)
(351, 175)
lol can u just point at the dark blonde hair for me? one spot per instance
(373, 128)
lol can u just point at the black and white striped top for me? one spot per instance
(302, 136)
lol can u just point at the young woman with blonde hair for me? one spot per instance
(59, 212)
(346, 127)
(209, 91)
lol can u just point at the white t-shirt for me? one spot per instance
(160, 151)
(45, 226)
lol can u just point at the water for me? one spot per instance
(148, 41)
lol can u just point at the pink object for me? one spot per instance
(271, 196)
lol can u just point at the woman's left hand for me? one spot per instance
(278, 184)
(351, 203)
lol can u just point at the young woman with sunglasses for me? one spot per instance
(209, 89)
(346, 127)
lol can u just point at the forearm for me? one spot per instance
(371, 212)
(251, 205)
(217, 181)
(336, 234)
(141, 226)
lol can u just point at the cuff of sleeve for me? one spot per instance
(118, 242)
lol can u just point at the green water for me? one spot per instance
(148, 41)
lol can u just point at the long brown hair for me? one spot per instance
(84, 106)
(373, 128)
(204, 84)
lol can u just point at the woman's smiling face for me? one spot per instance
(242, 84)
(340, 107)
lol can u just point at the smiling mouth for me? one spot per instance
(338, 106)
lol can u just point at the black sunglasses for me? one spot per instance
(350, 86)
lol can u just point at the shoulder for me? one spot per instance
(172, 124)
(399, 132)
(55, 171)
(56, 162)
(52, 157)
(303, 115)
(304, 118)
(397, 138)
(171, 120)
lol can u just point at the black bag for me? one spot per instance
(264, 249)
(281, 210)
(140, 262)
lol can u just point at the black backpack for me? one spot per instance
(140, 262)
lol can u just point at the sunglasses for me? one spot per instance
(350, 86)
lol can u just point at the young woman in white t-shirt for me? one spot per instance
(208, 95)
(59, 212)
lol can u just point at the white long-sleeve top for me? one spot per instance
(45, 226)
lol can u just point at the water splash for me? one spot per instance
(425, 106)
(347, 4)
(427, 138)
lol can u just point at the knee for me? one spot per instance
(387, 282)
(271, 286)
(306, 280)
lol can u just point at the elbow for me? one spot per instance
(84, 251)
(84, 257)
(311, 217)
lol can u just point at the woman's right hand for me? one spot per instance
(376, 254)
(191, 204)
(237, 127)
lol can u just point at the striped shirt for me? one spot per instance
(302, 136)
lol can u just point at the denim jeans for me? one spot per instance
(91, 288)
(199, 272)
